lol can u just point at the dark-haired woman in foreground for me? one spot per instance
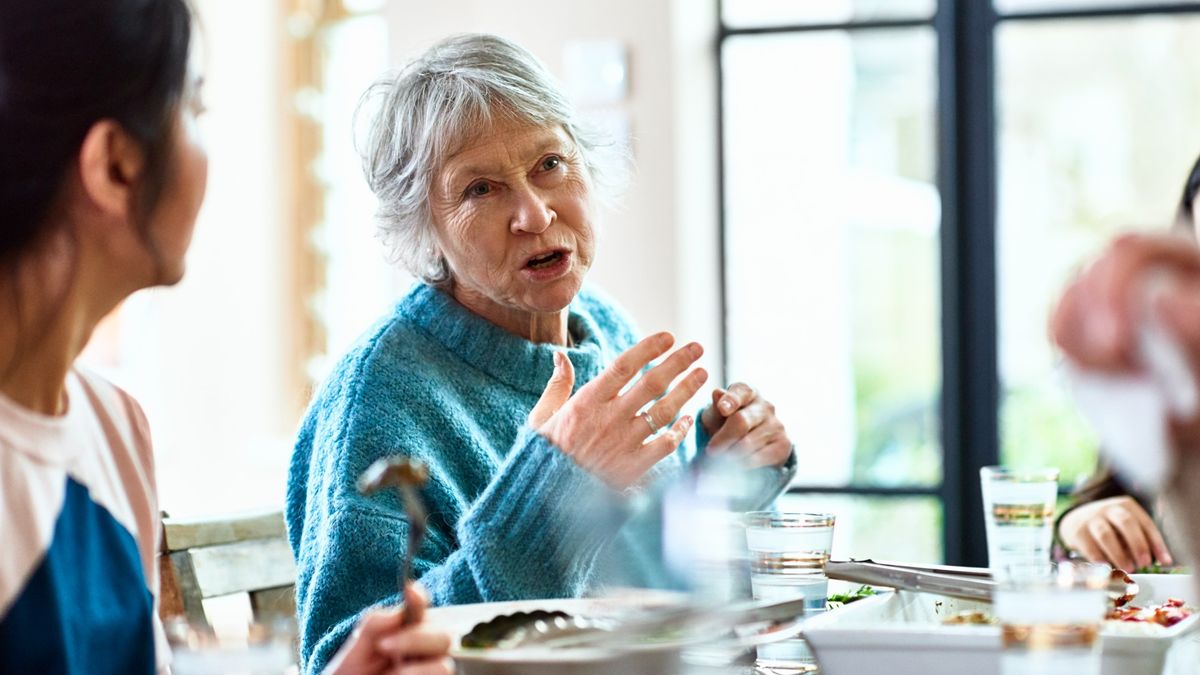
(101, 178)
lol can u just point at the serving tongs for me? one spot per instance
(407, 476)
(691, 620)
(969, 583)
(973, 586)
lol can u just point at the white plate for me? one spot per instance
(649, 659)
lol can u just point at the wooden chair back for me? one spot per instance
(211, 557)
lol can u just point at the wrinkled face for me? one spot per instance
(513, 216)
(174, 216)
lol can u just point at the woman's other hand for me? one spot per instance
(382, 644)
(603, 426)
(742, 422)
(1117, 531)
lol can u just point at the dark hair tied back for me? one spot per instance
(1190, 188)
(67, 64)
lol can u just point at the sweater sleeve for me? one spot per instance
(534, 532)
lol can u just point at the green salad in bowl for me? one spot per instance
(841, 599)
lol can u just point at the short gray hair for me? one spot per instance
(427, 110)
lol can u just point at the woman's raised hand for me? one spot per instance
(1096, 320)
(603, 426)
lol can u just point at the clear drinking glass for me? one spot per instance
(1050, 617)
(1018, 511)
(252, 649)
(788, 552)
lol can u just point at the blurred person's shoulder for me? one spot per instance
(116, 405)
(114, 417)
(103, 426)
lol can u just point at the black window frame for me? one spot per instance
(970, 397)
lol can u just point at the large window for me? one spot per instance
(1099, 122)
(906, 188)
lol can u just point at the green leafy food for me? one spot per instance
(839, 599)
(490, 634)
(1158, 568)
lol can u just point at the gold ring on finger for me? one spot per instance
(650, 422)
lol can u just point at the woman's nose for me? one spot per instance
(531, 212)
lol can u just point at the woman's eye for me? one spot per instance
(479, 189)
(551, 163)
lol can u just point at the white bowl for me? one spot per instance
(1156, 588)
(903, 633)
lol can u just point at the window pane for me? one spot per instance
(743, 13)
(891, 528)
(1098, 129)
(832, 246)
(1007, 6)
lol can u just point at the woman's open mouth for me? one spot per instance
(548, 265)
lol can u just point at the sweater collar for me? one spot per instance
(517, 362)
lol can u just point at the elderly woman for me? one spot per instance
(515, 383)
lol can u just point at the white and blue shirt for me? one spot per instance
(79, 527)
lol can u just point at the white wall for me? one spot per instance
(658, 252)
(207, 358)
(223, 330)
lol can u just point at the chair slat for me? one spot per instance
(185, 534)
(271, 603)
(243, 566)
(245, 553)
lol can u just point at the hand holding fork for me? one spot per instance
(407, 476)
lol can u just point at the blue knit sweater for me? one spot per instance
(510, 516)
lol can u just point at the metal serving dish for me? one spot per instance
(661, 655)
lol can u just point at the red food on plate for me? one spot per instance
(1166, 614)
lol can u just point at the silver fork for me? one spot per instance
(407, 476)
